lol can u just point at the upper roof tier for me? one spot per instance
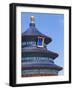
(32, 32)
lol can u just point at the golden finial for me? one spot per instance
(32, 19)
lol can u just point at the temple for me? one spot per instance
(36, 59)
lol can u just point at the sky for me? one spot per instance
(51, 25)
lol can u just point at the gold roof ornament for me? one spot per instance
(32, 19)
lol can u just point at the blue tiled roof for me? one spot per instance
(38, 51)
(29, 66)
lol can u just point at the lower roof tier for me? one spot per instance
(39, 72)
(41, 66)
(35, 75)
